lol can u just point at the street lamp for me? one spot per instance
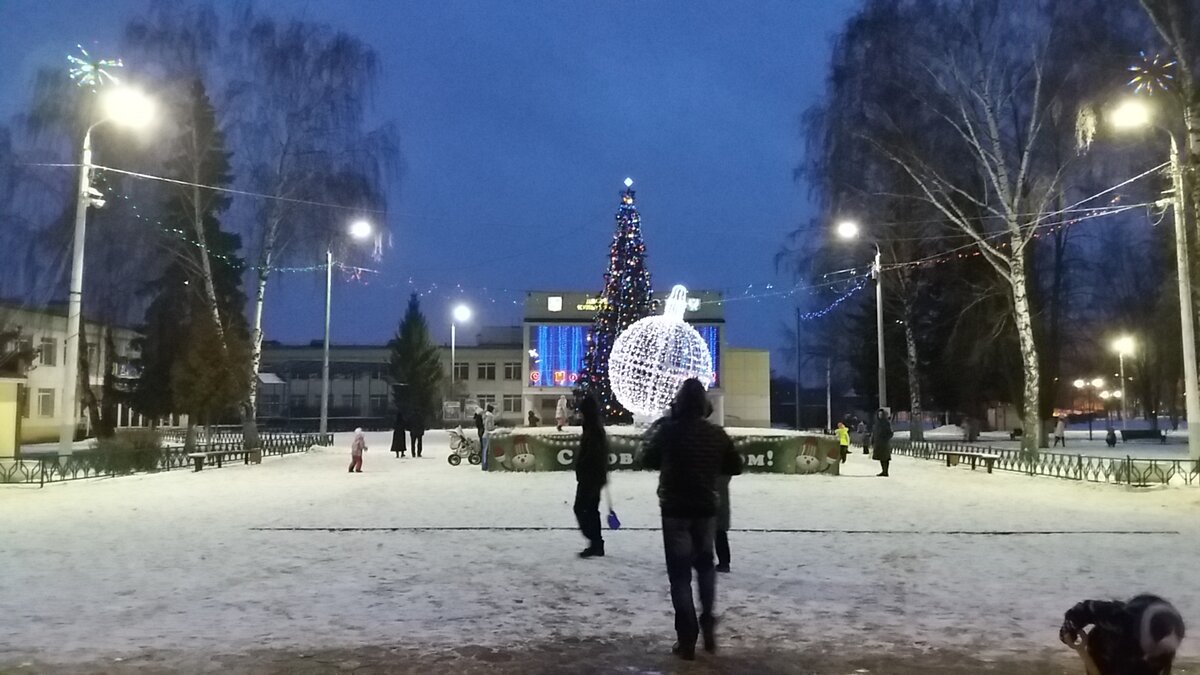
(460, 314)
(358, 230)
(1131, 114)
(127, 108)
(1122, 346)
(1090, 386)
(848, 229)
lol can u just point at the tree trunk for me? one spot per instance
(1029, 356)
(916, 426)
(87, 397)
(108, 391)
(250, 405)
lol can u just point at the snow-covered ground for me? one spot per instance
(298, 554)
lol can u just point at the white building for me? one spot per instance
(40, 395)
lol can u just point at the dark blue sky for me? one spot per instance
(518, 123)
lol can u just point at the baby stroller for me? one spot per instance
(463, 446)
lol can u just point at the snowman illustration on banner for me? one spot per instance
(654, 356)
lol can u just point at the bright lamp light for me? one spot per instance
(1131, 113)
(847, 229)
(1123, 345)
(128, 107)
(1079, 384)
(1098, 382)
(462, 313)
(360, 229)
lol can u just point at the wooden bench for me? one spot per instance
(953, 456)
(1136, 434)
(223, 455)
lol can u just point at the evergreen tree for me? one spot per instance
(198, 304)
(414, 365)
(625, 299)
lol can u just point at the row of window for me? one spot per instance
(487, 371)
(510, 403)
(47, 351)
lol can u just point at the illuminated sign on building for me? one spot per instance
(556, 353)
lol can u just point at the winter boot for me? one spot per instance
(593, 551)
(708, 628)
(687, 652)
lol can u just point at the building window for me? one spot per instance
(25, 344)
(512, 404)
(461, 372)
(314, 376)
(512, 371)
(379, 404)
(350, 401)
(45, 405)
(485, 400)
(296, 403)
(270, 404)
(49, 352)
(487, 371)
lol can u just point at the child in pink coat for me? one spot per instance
(357, 447)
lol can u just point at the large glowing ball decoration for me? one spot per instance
(654, 356)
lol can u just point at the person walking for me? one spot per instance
(881, 439)
(560, 411)
(533, 419)
(843, 438)
(866, 436)
(398, 434)
(416, 428)
(1060, 432)
(591, 475)
(690, 453)
(357, 447)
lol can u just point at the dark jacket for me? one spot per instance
(416, 426)
(690, 453)
(591, 465)
(479, 423)
(881, 439)
(724, 513)
(1115, 641)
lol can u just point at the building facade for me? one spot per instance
(516, 369)
(40, 392)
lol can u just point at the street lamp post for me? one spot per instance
(1090, 387)
(460, 314)
(128, 108)
(848, 229)
(359, 229)
(1134, 113)
(1123, 345)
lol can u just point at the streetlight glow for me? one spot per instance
(1079, 384)
(1124, 345)
(847, 229)
(1132, 113)
(128, 107)
(360, 229)
(1098, 382)
(462, 314)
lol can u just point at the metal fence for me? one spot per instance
(1128, 470)
(109, 463)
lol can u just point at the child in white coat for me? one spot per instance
(357, 447)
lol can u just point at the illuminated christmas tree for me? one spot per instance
(625, 299)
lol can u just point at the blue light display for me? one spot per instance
(556, 353)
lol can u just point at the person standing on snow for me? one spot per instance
(488, 420)
(1060, 432)
(560, 411)
(843, 438)
(690, 453)
(881, 439)
(416, 427)
(357, 447)
(398, 434)
(591, 475)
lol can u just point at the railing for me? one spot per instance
(234, 435)
(100, 463)
(1128, 470)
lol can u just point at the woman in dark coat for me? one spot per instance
(416, 427)
(591, 475)
(881, 440)
(398, 434)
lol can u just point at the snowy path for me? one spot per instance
(236, 559)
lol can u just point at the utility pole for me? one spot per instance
(798, 361)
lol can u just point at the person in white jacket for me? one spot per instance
(560, 411)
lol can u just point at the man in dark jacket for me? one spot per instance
(591, 474)
(416, 428)
(690, 453)
(881, 438)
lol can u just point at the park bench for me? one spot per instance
(1138, 434)
(972, 456)
(221, 456)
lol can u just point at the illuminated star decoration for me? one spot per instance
(89, 72)
(1151, 74)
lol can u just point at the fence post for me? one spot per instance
(1129, 470)
(1079, 466)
